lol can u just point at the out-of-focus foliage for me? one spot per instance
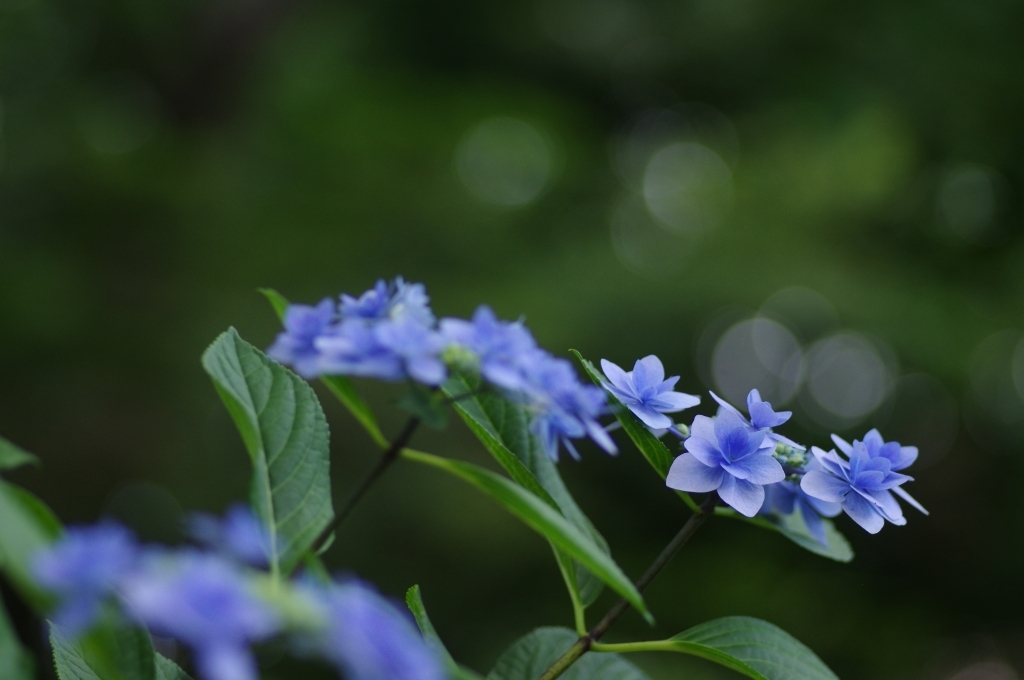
(636, 177)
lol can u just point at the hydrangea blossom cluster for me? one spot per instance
(390, 333)
(218, 607)
(756, 470)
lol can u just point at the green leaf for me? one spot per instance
(112, 651)
(531, 655)
(426, 405)
(12, 456)
(277, 301)
(544, 519)
(414, 601)
(656, 453)
(340, 386)
(503, 428)
(168, 670)
(792, 527)
(27, 527)
(15, 661)
(285, 432)
(754, 647)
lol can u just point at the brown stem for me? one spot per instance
(582, 646)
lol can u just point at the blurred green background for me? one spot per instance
(819, 199)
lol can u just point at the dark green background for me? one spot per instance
(162, 160)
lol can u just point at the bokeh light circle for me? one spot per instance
(688, 187)
(846, 376)
(504, 161)
(757, 353)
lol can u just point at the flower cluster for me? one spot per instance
(390, 333)
(756, 470)
(219, 607)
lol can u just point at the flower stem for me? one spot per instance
(389, 456)
(585, 643)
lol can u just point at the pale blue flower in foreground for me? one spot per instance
(861, 485)
(369, 638)
(296, 345)
(563, 408)
(204, 602)
(397, 301)
(762, 417)
(501, 347)
(725, 454)
(785, 498)
(84, 567)
(240, 534)
(646, 392)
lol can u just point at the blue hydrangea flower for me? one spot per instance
(500, 346)
(397, 302)
(763, 418)
(726, 454)
(368, 638)
(861, 485)
(563, 408)
(84, 567)
(785, 498)
(296, 346)
(899, 457)
(646, 392)
(389, 350)
(240, 534)
(204, 602)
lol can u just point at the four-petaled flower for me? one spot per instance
(646, 392)
(726, 454)
(861, 485)
(899, 457)
(762, 417)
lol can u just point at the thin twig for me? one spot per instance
(386, 460)
(582, 646)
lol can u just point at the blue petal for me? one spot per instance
(689, 474)
(618, 377)
(648, 372)
(650, 417)
(863, 512)
(824, 486)
(745, 497)
(704, 428)
(670, 402)
(226, 662)
(703, 450)
(815, 524)
(910, 499)
(842, 444)
(758, 469)
(726, 405)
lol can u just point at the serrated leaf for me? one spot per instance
(542, 518)
(340, 386)
(503, 429)
(531, 655)
(27, 527)
(15, 661)
(414, 601)
(13, 456)
(286, 434)
(658, 455)
(756, 648)
(112, 651)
